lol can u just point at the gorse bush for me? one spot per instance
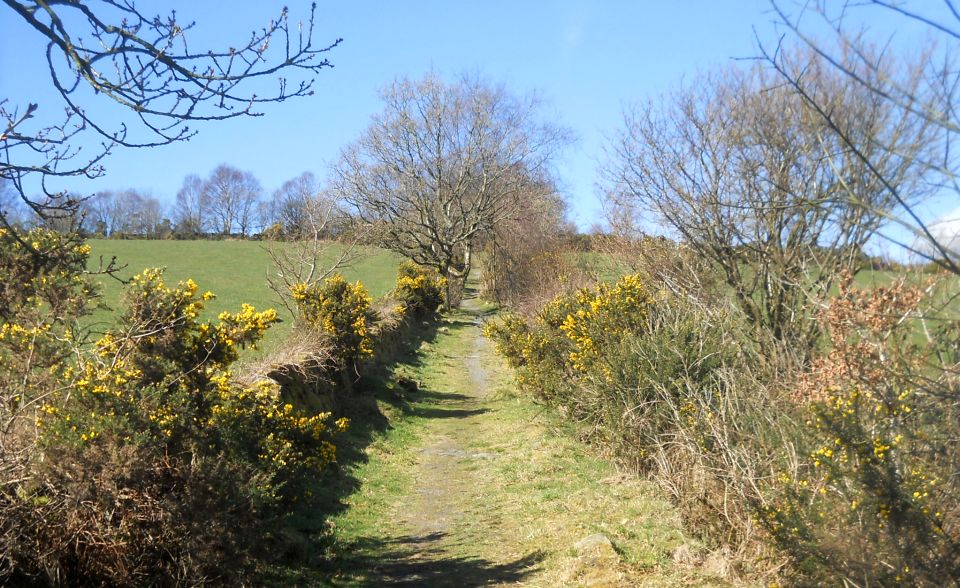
(602, 316)
(844, 469)
(878, 499)
(138, 458)
(42, 293)
(638, 368)
(41, 277)
(419, 289)
(341, 313)
(163, 377)
(539, 351)
(572, 336)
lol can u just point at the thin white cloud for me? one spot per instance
(946, 232)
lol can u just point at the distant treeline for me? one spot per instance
(229, 203)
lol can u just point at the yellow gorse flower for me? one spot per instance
(341, 312)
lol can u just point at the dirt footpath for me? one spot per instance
(487, 488)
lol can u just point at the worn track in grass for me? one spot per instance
(474, 485)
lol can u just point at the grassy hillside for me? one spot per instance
(235, 271)
(608, 269)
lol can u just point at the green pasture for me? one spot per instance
(608, 269)
(236, 271)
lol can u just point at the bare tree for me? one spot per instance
(191, 209)
(110, 50)
(248, 217)
(740, 169)
(127, 212)
(312, 255)
(523, 257)
(232, 195)
(292, 205)
(920, 88)
(142, 213)
(442, 164)
(101, 213)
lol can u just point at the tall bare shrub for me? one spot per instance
(738, 167)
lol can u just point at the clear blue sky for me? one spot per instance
(588, 59)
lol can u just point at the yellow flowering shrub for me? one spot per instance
(604, 315)
(340, 312)
(880, 484)
(41, 272)
(538, 351)
(168, 372)
(419, 289)
(149, 419)
(290, 446)
(573, 336)
(42, 293)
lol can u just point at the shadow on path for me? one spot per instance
(421, 561)
(448, 413)
(307, 528)
(421, 557)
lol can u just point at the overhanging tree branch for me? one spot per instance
(111, 50)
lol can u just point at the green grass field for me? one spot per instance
(236, 271)
(607, 269)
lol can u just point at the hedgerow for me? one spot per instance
(830, 472)
(877, 499)
(139, 458)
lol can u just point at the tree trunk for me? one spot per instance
(444, 271)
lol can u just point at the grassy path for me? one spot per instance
(474, 485)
